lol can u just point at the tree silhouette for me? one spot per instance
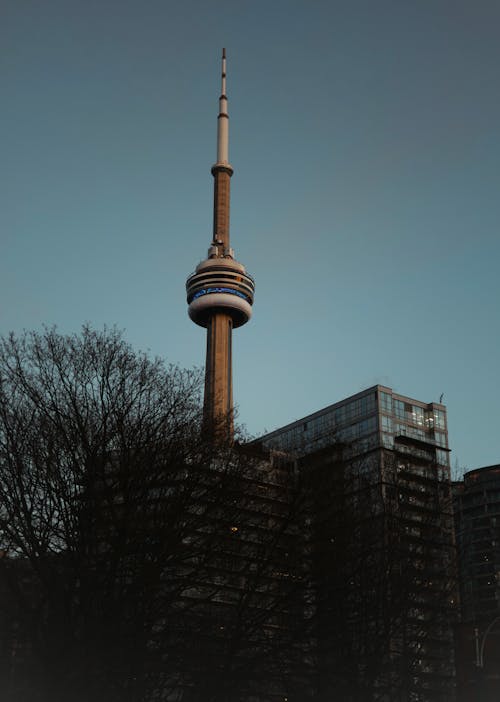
(140, 560)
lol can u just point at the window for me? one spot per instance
(399, 409)
(406, 430)
(442, 457)
(386, 423)
(429, 420)
(417, 415)
(439, 419)
(440, 439)
(386, 402)
(367, 426)
(360, 407)
(388, 441)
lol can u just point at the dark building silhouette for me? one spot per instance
(477, 523)
(375, 475)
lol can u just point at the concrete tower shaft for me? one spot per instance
(220, 292)
(222, 195)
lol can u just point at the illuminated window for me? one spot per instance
(439, 419)
(417, 415)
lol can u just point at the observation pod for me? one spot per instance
(220, 285)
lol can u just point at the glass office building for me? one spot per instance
(382, 468)
(374, 418)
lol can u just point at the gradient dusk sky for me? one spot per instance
(365, 201)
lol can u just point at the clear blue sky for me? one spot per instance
(366, 200)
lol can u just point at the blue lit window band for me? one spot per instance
(207, 291)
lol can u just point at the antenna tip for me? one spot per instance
(223, 53)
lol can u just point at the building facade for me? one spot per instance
(477, 523)
(372, 419)
(477, 514)
(380, 544)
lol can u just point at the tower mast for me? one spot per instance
(220, 292)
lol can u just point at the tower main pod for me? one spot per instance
(220, 292)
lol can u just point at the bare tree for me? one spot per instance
(140, 561)
(92, 437)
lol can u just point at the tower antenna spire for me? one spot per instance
(223, 120)
(223, 91)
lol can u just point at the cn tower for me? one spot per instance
(220, 292)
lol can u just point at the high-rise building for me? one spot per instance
(477, 514)
(375, 469)
(477, 523)
(220, 292)
(374, 418)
